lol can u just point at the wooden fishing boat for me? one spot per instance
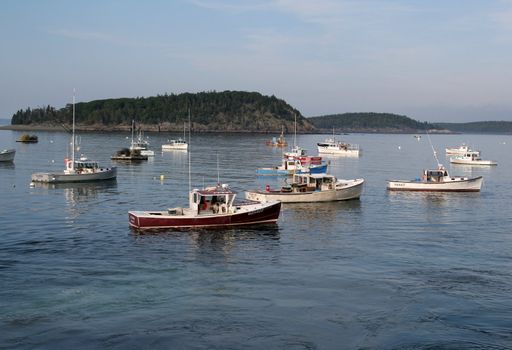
(211, 207)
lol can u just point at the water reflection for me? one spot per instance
(7, 165)
(211, 242)
(327, 212)
(76, 192)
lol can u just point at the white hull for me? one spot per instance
(7, 155)
(338, 151)
(472, 162)
(459, 150)
(457, 185)
(106, 174)
(174, 147)
(147, 152)
(345, 190)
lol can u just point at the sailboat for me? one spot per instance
(77, 170)
(210, 207)
(437, 180)
(179, 144)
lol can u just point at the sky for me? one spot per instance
(436, 60)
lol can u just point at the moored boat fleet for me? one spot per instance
(308, 180)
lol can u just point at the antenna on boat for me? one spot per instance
(218, 173)
(295, 129)
(73, 132)
(433, 150)
(189, 151)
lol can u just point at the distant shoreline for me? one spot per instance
(202, 129)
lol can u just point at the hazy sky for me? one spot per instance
(435, 60)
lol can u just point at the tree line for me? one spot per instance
(230, 109)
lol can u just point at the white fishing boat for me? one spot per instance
(81, 170)
(437, 180)
(471, 158)
(334, 147)
(308, 188)
(179, 144)
(140, 144)
(331, 146)
(462, 149)
(7, 155)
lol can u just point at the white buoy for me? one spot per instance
(32, 184)
(162, 177)
(399, 147)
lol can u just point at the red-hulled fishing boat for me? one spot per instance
(209, 207)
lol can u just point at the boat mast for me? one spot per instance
(133, 127)
(73, 132)
(189, 151)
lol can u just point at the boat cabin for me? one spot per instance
(435, 175)
(212, 200)
(312, 182)
(83, 164)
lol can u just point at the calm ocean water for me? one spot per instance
(391, 271)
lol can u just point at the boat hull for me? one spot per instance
(260, 214)
(350, 190)
(174, 147)
(320, 169)
(338, 151)
(7, 155)
(105, 174)
(473, 162)
(469, 185)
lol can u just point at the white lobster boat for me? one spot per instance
(471, 158)
(331, 146)
(437, 180)
(140, 144)
(463, 149)
(179, 144)
(77, 170)
(307, 188)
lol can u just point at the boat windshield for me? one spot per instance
(88, 165)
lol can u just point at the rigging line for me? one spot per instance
(433, 149)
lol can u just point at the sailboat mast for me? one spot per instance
(73, 137)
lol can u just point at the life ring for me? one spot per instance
(223, 208)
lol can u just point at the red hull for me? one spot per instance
(268, 214)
